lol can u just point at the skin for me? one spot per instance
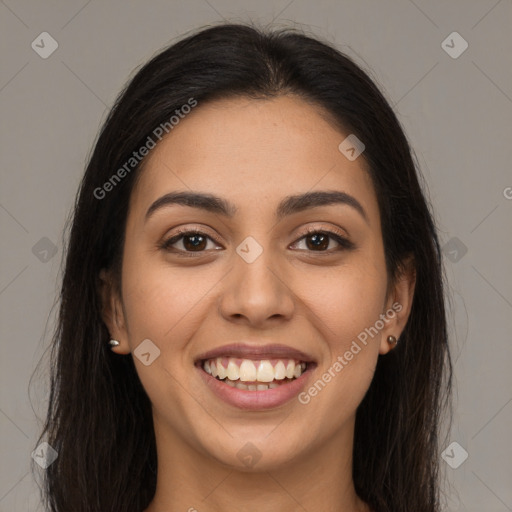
(254, 153)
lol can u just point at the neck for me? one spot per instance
(320, 480)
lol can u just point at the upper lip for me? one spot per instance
(248, 351)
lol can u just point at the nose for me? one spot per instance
(258, 293)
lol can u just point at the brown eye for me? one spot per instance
(194, 242)
(319, 241)
(191, 241)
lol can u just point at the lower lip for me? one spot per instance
(255, 400)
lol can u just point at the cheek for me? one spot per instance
(165, 304)
(160, 300)
(345, 300)
(343, 311)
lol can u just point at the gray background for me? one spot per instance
(456, 112)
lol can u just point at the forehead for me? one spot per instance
(253, 152)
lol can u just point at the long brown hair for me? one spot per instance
(99, 417)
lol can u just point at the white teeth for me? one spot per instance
(252, 387)
(290, 367)
(248, 371)
(259, 373)
(221, 371)
(279, 371)
(232, 371)
(265, 371)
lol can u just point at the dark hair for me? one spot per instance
(99, 417)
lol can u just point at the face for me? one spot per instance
(290, 296)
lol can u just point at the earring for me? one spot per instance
(113, 343)
(392, 340)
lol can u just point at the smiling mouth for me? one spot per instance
(254, 375)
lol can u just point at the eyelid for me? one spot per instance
(315, 229)
(191, 228)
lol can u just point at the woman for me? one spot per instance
(252, 312)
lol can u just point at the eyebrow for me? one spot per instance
(288, 206)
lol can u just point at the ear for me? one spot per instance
(112, 312)
(398, 304)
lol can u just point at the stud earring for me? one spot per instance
(392, 340)
(113, 343)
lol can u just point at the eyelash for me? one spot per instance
(337, 236)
